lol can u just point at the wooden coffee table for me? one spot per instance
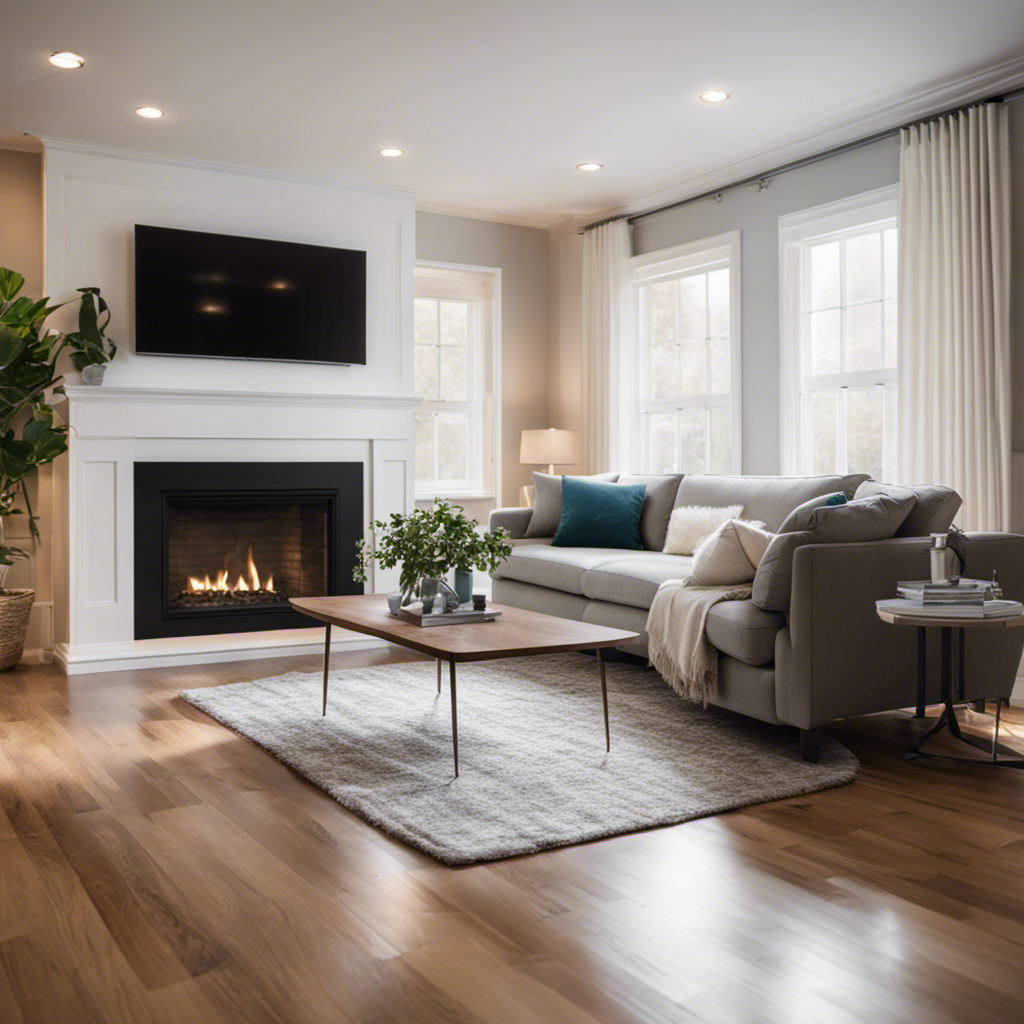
(516, 634)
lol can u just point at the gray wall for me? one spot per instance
(756, 215)
(522, 255)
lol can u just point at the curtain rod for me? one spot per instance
(761, 178)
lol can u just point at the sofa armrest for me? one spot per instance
(515, 520)
(836, 658)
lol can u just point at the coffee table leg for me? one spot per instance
(604, 698)
(438, 675)
(327, 663)
(455, 720)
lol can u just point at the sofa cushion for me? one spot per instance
(933, 511)
(658, 502)
(557, 568)
(690, 525)
(743, 630)
(802, 517)
(547, 502)
(634, 580)
(730, 555)
(865, 519)
(768, 498)
(600, 514)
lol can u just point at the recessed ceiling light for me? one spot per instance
(589, 167)
(714, 96)
(149, 112)
(391, 151)
(66, 59)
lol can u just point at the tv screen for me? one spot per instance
(228, 297)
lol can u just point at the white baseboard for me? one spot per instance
(202, 650)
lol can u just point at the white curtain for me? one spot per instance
(954, 310)
(606, 328)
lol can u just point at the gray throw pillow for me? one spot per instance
(547, 502)
(661, 494)
(877, 517)
(933, 511)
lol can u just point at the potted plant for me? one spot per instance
(427, 543)
(31, 434)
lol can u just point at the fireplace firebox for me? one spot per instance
(221, 547)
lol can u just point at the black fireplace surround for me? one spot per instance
(221, 546)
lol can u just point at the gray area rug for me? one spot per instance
(533, 769)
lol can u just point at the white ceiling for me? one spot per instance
(496, 102)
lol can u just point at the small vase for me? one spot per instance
(464, 585)
(93, 374)
(428, 594)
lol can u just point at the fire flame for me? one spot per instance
(221, 582)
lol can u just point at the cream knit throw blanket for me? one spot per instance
(677, 646)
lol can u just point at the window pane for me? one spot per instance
(891, 359)
(425, 372)
(824, 432)
(824, 276)
(661, 442)
(824, 331)
(891, 266)
(721, 366)
(454, 374)
(425, 321)
(664, 369)
(864, 336)
(424, 446)
(691, 307)
(864, 268)
(452, 445)
(693, 367)
(693, 425)
(864, 431)
(718, 301)
(889, 410)
(720, 460)
(454, 323)
(663, 311)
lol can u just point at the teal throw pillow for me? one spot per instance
(600, 515)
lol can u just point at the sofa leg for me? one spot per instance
(810, 744)
(979, 706)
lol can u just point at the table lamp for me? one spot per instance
(549, 448)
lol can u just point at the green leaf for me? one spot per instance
(10, 283)
(11, 346)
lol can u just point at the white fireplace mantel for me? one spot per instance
(112, 428)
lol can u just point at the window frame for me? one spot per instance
(481, 288)
(860, 214)
(685, 260)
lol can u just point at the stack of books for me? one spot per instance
(952, 599)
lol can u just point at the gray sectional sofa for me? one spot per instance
(828, 656)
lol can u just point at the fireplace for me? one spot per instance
(221, 547)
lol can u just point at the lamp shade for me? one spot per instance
(550, 447)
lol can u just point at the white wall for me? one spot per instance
(94, 199)
(522, 255)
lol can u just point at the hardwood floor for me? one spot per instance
(156, 867)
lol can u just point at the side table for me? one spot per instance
(948, 717)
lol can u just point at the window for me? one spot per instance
(455, 338)
(839, 337)
(686, 381)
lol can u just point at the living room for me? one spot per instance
(665, 360)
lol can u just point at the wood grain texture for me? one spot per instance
(155, 867)
(516, 633)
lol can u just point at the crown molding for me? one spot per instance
(91, 149)
(494, 218)
(1004, 77)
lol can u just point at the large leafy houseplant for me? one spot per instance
(30, 433)
(428, 542)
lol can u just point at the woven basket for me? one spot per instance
(15, 609)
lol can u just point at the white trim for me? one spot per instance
(706, 253)
(881, 117)
(107, 394)
(492, 416)
(874, 206)
(70, 146)
(202, 650)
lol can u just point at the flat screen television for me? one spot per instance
(228, 297)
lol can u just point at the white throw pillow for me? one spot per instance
(730, 555)
(691, 525)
